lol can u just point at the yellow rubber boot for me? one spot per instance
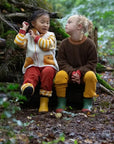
(90, 85)
(61, 83)
(43, 104)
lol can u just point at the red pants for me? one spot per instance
(45, 75)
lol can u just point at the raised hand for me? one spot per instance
(25, 25)
(32, 34)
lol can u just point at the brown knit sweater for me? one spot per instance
(74, 56)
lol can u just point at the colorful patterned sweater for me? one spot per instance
(40, 51)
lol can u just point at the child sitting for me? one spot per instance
(77, 59)
(40, 63)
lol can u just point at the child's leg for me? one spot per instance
(90, 81)
(47, 75)
(31, 78)
(61, 83)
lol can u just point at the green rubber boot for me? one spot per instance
(87, 104)
(61, 104)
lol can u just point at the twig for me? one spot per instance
(106, 90)
(11, 15)
(8, 23)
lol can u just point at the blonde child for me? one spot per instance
(40, 63)
(77, 58)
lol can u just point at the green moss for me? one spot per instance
(57, 28)
(103, 82)
(8, 6)
(10, 35)
(100, 67)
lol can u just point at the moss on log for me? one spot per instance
(56, 27)
(100, 67)
(103, 82)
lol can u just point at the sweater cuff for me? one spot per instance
(22, 31)
(36, 39)
(73, 72)
(78, 71)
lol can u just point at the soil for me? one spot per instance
(70, 127)
(73, 125)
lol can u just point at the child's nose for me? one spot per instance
(66, 24)
(46, 24)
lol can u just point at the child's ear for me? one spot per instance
(79, 26)
(33, 23)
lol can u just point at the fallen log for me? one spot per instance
(17, 14)
(104, 83)
(103, 88)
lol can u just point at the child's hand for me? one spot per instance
(75, 77)
(32, 34)
(25, 25)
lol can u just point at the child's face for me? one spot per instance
(71, 25)
(42, 23)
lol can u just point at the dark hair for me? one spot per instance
(38, 13)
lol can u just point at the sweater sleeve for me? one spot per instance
(47, 44)
(63, 62)
(20, 39)
(91, 61)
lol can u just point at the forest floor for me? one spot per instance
(70, 127)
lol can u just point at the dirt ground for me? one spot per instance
(70, 127)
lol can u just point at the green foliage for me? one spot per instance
(62, 6)
(9, 106)
(100, 67)
(8, 87)
(10, 35)
(60, 139)
(12, 86)
(8, 6)
(102, 15)
(103, 82)
(58, 29)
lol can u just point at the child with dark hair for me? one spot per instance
(77, 59)
(40, 63)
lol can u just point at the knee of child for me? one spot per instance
(90, 75)
(48, 70)
(61, 77)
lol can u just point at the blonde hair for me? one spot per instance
(87, 25)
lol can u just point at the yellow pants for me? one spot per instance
(61, 83)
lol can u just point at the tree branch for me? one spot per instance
(7, 22)
(17, 14)
(106, 90)
(32, 8)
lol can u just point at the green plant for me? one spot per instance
(9, 106)
(103, 82)
(100, 67)
(60, 139)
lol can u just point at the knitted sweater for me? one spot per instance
(74, 56)
(39, 52)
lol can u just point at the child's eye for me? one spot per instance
(69, 22)
(42, 22)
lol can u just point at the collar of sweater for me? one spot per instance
(77, 42)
